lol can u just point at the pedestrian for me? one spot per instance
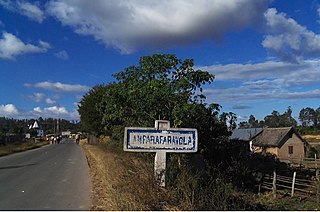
(78, 138)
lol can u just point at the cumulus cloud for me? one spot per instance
(37, 110)
(56, 112)
(287, 39)
(11, 46)
(59, 87)
(32, 11)
(50, 101)
(63, 55)
(130, 25)
(8, 110)
(52, 112)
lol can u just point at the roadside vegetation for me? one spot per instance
(20, 147)
(218, 177)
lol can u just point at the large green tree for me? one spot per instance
(160, 87)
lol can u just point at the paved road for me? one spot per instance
(54, 177)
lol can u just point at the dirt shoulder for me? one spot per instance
(101, 189)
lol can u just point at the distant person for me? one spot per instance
(77, 138)
(59, 139)
(52, 139)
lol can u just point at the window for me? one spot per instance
(290, 150)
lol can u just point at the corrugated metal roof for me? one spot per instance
(245, 134)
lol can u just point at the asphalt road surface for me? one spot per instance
(54, 177)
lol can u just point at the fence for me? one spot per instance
(304, 162)
(291, 185)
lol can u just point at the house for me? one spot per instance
(244, 137)
(284, 143)
(38, 128)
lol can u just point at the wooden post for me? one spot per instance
(315, 160)
(318, 185)
(274, 186)
(300, 165)
(293, 182)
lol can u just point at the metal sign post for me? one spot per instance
(160, 139)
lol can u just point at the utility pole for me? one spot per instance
(58, 127)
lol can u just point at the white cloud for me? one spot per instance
(50, 101)
(264, 81)
(56, 110)
(37, 109)
(37, 97)
(50, 112)
(131, 25)
(11, 46)
(289, 40)
(59, 87)
(63, 55)
(304, 73)
(11, 111)
(8, 110)
(32, 11)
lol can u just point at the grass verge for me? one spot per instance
(122, 181)
(20, 147)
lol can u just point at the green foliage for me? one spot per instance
(275, 119)
(310, 117)
(283, 120)
(91, 118)
(160, 87)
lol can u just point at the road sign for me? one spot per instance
(160, 139)
(154, 140)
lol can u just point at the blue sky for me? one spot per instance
(264, 54)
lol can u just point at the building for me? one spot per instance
(244, 137)
(38, 128)
(285, 143)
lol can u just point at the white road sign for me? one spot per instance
(153, 140)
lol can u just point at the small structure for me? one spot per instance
(285, 143)
(244, 137)
(38, 128)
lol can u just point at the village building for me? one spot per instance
(285, 143)
(244, 137)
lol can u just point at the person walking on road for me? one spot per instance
(78, 138)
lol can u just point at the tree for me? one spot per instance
(253, 122)
(90, 116)
(160, 87)
(309, 117)
(283, 120)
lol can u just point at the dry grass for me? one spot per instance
(125, 181)
(20, 147)
(122, 181)
(311, 136)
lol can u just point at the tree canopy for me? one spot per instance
(160, 87)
